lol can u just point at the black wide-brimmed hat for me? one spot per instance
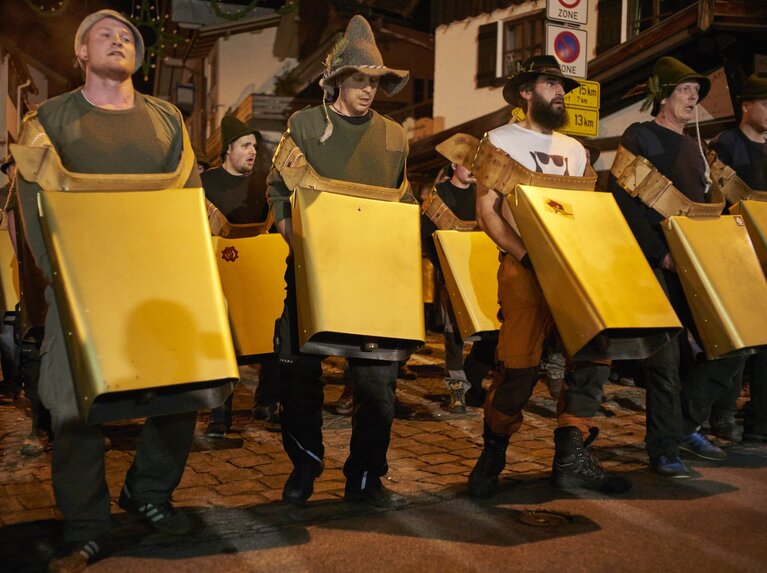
(755, 87)
(356, 51)
(233, 129)
(667, 74)
(532, 68)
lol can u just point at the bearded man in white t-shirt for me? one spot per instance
(539, 89)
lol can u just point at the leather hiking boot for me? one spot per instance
(457, 395)
(577, 467)
(483, 479)
(300, 485)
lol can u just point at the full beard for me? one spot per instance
(544, 114)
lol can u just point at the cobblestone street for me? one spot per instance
(233, 486)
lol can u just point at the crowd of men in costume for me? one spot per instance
(344, 140)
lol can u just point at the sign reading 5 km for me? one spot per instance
(569, 11)
(584, 96)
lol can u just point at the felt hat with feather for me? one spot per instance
(356, 51)
(667, 74)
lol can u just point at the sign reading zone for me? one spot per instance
(568, 11)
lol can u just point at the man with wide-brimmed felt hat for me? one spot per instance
(744, 148)
(343, 140)
(539, 88)
(673, 93)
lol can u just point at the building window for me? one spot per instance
(609, 18)
(423, 89)
(646, 13)
(521, 39)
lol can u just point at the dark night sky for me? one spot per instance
(50, 39)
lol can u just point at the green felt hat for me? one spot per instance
(233, 129)
(356, 51)
(667, 74)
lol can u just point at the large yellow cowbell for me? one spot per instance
(603, 295)
(469, 263)
(9, 272)
(722, 280)
(140, 299)
(252, 273)
(358, 275)
(754, 214)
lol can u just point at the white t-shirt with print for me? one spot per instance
(554, 154)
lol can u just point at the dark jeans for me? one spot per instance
(675, 410)
(705, 383)
(481, 357)
(302, 398)
(78, 472)
(267, 390)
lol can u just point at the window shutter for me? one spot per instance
(609, 13)
(487, 41)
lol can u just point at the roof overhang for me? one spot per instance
(203, 39)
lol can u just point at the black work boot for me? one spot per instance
(300, 484)
(577, 467)
(484, 477)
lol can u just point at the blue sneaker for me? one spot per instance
(698, 445)
(670, 467)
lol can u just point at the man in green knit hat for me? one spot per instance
(342, 140)
(238, 193)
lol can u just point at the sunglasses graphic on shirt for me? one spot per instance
(559, 163)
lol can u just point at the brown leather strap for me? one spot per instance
(494, 168)
(639, 178)
(441, 215)
(733, 188)
(296, 171)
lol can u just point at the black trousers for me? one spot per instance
(680, 395)
(755, 415)
(78, 469)
(267, 390)
(302, 398)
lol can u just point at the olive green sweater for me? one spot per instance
(372, 153)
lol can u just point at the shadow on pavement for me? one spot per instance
(27, 547)
(449, 516)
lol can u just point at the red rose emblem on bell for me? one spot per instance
(230, 254)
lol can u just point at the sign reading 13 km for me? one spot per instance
(569, 11)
